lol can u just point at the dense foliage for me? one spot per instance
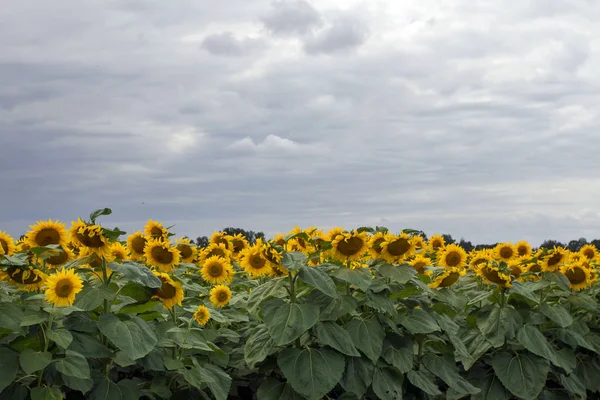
(360, 314)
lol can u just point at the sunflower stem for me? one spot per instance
(292, 288)
(174, 318)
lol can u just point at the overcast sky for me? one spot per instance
(474, 118)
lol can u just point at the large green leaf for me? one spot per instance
(312, 372)
(367, 335)
(32, 317)
(535, 341)
(214, 377)
(358, 375)
(74, 364)
(397, 273)
(333, 335)
(293, 260)
(46, 393)
(272, 389)
(273, 287)
(588, 370)
(80, 322)
(319, 280)
(9, 366)
(61, 337)
(83, 385)
(89, 346)
(287, 321)
(381, 301)
(491, 389)
(106, 390)
(557, 313)
(139, 308)
(32, 361)
(387, 383)
(138, 273)
(498, 324)
(258, 346)
(360, 277)
(398, 351)
(523, 374)
(573, 385)
(446, 369)
(332, 309)
(92, 296)
(424, 381)
(419, 321)
(10, 316)
(132, 335)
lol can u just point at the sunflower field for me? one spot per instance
(89, 312)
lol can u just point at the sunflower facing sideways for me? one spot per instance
(161, 255)
(45, 233)
(90, 237)
(7, 244)
(136, 243)
(579, 276)
(155, 230)
(28, 279)
(59, 257)
(445, 277)
(220, 295)
(187, 250)
(170, 293)
(119, 252)
(396, 248)
(63, 286)
(419, 263)
(554, 260)
(217, 270)
(589, 251)
(202, 315)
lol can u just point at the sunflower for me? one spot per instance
(136, 243)
(187, 250)
(447, 277)
(221, 238)
(375, 242)
(254, 262)
(505, 251)
(349, 246)
(45, 233)
(91, 237)
(7, 244)
(479, 258)
(578, 275)
(419, 263)
(63, 286)
(279, 239)
(160, 254)
(28, 279)
(492, 274)
(202, 315)
(170, 293)
(451, 256)
(589, 251)
(553, 261)
(436, 242)
(220, 295)
(516, 268)
(60, 257)
(118, 251)
(269, 252)
(238, 243)
(277, 271)
(523, 248)
(155, 230)
(332, 234)
(419, 242)
(217, 270)
(219, 250)
(299, 243)
(396, 248)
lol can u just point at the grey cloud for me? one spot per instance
(226, 44)
(292, 17)
(344, 34)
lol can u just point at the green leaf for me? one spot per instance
(491, 326)
(133, 335)
(588, 370)
(10, 316)
(272, 389)
(358, 375)
(424, 381)
(287, 321)
(312, 372)
(106, 390)
(333, 335)
(560, 279)
(524, 290)
(293, 260)
(533, 340)
(74, 364)
(214, 377)
(419, 321)
(523, 374)
(137, 292)
(98, 213)
(92, 296)
(129, 389)
(398, 351)
(33, 318)
(381, 301)
(258, 346)
(61, 337)
(80, 322)
(387, 383)
(83, 385)
(88, 346)
(361, 277)
(319, 280)
(446, 369)
(32, 361)
(332, 309)
(573, 384)
(137, 273)
(491, 389)
(273, 287)
(9, 365)
(46, 393)
(139, 308)
(397, 273)
(367, 335)
(557, 313)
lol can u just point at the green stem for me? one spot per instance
(292, 288)
(174, 318)
(46, 344)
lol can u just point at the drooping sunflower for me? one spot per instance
(554, 260)
(219, 250)
(45, 233)
(59, 257)
(436, 242)
(451, 256)
(279, 239)
(91, 237)
(332, 234)
(419, 242)
(136, 243)
(505, 251)
(119, 251)
(419, 263)
(187, 250)
(160, 254)
(516, 268)
(589, 251)
(277, 271)
(349, 246)
(479, 258)
(155, 230)
(28, 279)
(7, 244)
(298, 243)
(238, 243)
(396, 248)
(254, 262)
(375, 242)
(578, 275)
(217, 270)
(221, 238)
(170, 293)
(446, 277)
(220, 295)
(202, 315)
(492, 274)
(273, 255)
(63, 286)
(523, 248)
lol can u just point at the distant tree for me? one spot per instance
(202, 241)
(596, 242)
(576, 245)
(251, 236)
(448, 238)
(549, 244)
(468, 246)
(485, 246)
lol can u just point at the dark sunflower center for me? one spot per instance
(47, 236)
(238, 245)
(516, 271)
(257, 262)
(216, 252)
(450, 279)
(535, 268)
(119, 255)
(93, 241)
(377, 245)
(4, 246)
(222, 296)
(420, 267)
(26, 277)
(554, 260)
(506, 252)
(156, 231)
(215, 270)
(166, 291)
(63, 288)
(162, 255)
(575, 275)
(269, 254)
(436, 244)
(522, 250)
(492, 275)
(58, 259)
(185, 250)
(221, 240)
(280, 242)
(588, 253)
(453, 259)
(350, 246)
(96, 262)
(137, 244)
